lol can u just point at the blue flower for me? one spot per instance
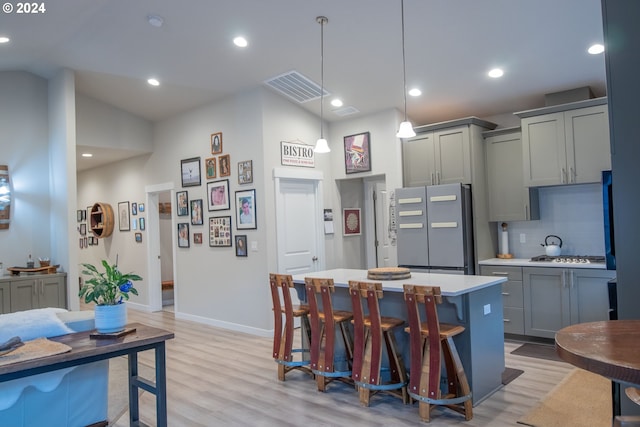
(125, 287)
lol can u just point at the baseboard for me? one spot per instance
(225, 325)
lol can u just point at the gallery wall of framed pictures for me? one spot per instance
(216, 194)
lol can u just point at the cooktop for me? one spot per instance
(571, 259)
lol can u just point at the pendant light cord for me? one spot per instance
(322, 20)
(404, 65)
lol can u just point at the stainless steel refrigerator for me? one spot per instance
(434, 228)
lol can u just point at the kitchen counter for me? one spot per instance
(450, 284)
(526, 262)
(474, 302)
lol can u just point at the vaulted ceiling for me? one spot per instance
(450, 46)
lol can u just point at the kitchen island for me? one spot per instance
(474, 302)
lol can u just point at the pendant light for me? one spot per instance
(406, 129)
(321, 145)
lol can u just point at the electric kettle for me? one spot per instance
(552, 249)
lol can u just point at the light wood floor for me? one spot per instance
(217, 377)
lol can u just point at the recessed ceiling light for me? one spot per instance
(155, 20)
(596, 49)
(336, 102)
(153, 82)
(87, 155)
(240, 41)
(4, 39)
(415, 92)
(495, 73)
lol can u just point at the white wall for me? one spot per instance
(24, 142)
(101, 125)
(118, 182)
(386, 161)
(572, 212)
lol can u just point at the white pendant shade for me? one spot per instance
(322, 146)
(406, 130)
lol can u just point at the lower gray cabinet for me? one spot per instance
(512, 296)
(559, 297)
(37, 292)
(5, 298)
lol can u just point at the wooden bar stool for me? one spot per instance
(323, 333)
(283, 349)
(369, 332)
(430, 341)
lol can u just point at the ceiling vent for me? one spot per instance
(345, 111)
(296, 86)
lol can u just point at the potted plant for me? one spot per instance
(108, 290)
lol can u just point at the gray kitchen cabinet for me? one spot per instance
(508, 198)
(565, 144)
(443, 153)
(38, 292)
(453, 152)
(559, 297)
(5, 298)
(512, 296)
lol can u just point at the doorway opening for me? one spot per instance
(160, 248)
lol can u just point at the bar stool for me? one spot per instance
(323, 333)
(283, 350)
(430, 341)
(369, 333)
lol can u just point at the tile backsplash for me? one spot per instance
(572, 212)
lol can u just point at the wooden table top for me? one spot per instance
(609, 348)
(83, 347)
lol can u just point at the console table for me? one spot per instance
(85, 350)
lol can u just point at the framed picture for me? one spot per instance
(197, 238)
(123, 216)
(246, 209)
(241, 245)
(140, 207)
(134, 224)
(224, 163)
(196, 212)
(351, 222)
(86, 243)
(134, 208)
(245, 172)
(79, 215)
(218, 195)
(139, 237)
(190, 172)
(183, 235)
(357, 153)
(83, 229)
(220, 231)
(142, 223)
(182, 203)
(210, 167)
(216, 143)
(81, 243)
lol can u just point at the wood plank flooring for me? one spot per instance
(217, 377)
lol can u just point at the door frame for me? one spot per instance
(153, 245)
(303, 175)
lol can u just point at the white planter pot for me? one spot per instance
(110, 318)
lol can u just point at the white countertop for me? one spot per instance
(526, 262)
(450, 284)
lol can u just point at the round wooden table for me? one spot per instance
(609, 348)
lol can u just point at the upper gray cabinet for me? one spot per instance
(565, 144)
(444, 153)
(509, 199)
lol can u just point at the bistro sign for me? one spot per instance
(295, 154)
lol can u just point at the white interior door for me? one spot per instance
(299, 222)
(379, 249)
(384, 251)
